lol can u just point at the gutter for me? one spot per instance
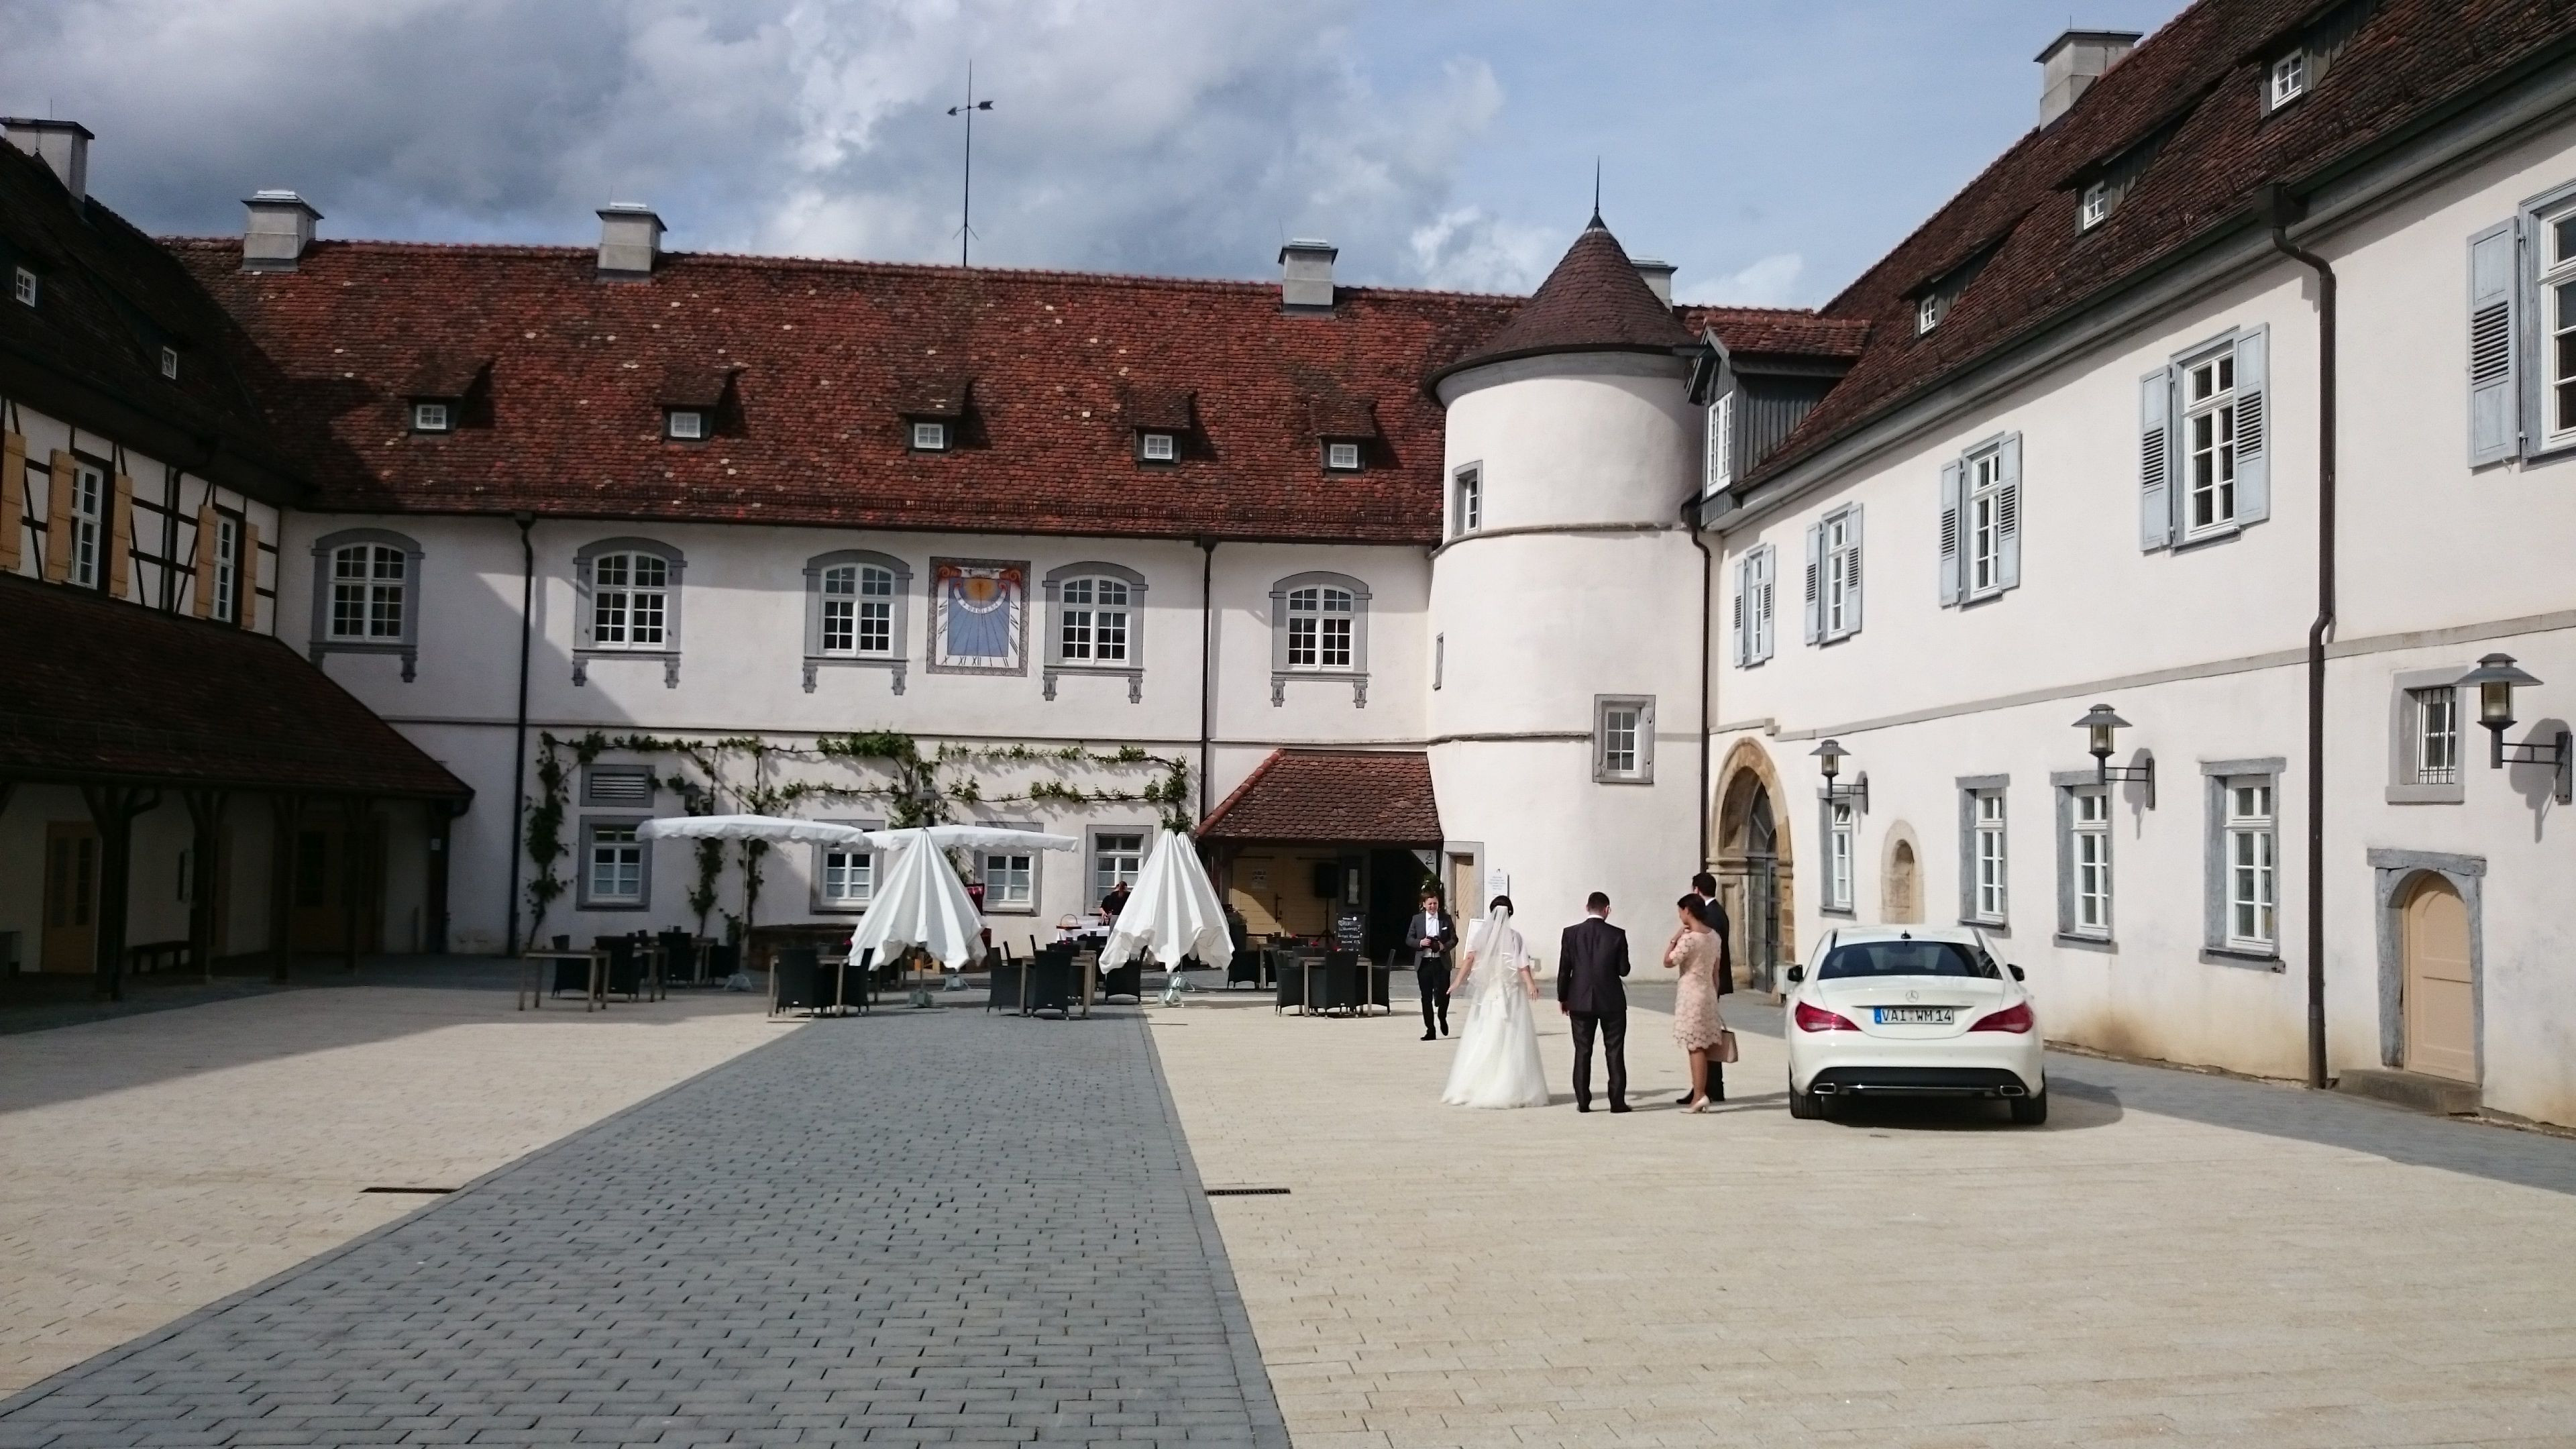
(2275, 206)
(1707, 603)
(519, 749)
(1207, 685)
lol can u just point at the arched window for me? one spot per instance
(855, 608)
(1319, 629)
(366, 596)
(629, 604)
(1096, 624)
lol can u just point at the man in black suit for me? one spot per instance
(1589, 962)
(1433, 936)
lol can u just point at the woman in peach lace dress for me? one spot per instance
(1697, 1026)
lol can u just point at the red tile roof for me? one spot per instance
(1351, 797)
(1049, 367)
(2193, 89)
(1771, 331)
(1593, 302)
(101, 690)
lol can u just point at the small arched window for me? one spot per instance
(629, 604)
(855, 613)
(1096, 624)
(1319, 629)
(366, 595)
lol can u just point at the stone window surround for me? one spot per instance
(582, 561)
(824, 905)
(1146, 833)
(1133, 671)
(2215, 774)
(2392, 871)
(407, 648)
(1281, 674)
(2403, 788)
(582, 898)
(2063, 784)
(898, 659)
(1969, 788)
(1644, 704)
(1849, 907)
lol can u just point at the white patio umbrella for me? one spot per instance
(748, 827)
(1172, 913)
(922, 902)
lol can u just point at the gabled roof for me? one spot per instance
(1348, 797)
(102, 690)
(2197, 83)
(1593, 302)
(828, 358)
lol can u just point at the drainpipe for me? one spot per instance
(1707, 601)
(1207, 637)
(2274, 205)
(519, 748)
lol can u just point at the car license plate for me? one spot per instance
(1914, 1015)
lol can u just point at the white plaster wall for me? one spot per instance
(1586, 438)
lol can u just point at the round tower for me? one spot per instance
(1566, 603)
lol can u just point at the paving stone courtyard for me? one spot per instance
(681, 1224)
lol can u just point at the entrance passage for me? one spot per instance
(71, 896)
(2440, 987)
(335, 869)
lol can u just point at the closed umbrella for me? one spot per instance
(1173, 913)
(923, 903)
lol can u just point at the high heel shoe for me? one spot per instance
(1700, 1106)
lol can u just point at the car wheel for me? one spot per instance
(1803, 1105)
(2030, 1111)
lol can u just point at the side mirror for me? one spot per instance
(2016, 972)
(1797, 974)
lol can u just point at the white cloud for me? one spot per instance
(1770, 282)
(1150, 135)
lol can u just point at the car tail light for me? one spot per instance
(2012, 1018)
(1816, 1018)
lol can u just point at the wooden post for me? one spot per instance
(206, 814)
(281, 884)
(113, 808)
(353, 875)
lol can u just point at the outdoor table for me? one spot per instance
(533, 986)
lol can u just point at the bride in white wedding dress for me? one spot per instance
(1497, 1063)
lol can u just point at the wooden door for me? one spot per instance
(71, 896)
(325, 857)
(2441, 990)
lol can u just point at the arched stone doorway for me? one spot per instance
(1901, 878)
(1753, 866)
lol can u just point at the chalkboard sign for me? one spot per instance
(1349, 932)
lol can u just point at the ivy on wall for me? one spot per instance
(913, 786)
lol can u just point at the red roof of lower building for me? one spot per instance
(1343, 797)
(107, 691)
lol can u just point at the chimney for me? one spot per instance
(279, 229)
(2073, 62)
(62, 145)
(630, 241)
(1658, 278)
(1306, 275)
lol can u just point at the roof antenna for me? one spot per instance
(1596, 191)
(966, 206)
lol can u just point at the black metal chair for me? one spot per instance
(1245, 967)
(1050, 982)
(720, 960)
(1338, 984)
(570, 974)
(795, 979)
(1127, 981)
(1380, 981)
(680, 959)
(1292, 985)
(1010, 983)
(629, 970)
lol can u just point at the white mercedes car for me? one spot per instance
(1912, 1011)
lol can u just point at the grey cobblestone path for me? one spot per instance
(912, 1228)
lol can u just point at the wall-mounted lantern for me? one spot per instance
(2495, 678)
(1829, 758)
(2100, 726)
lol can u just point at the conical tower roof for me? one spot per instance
(1593, 302)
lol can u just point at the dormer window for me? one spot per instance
(2289, 78)
(685, 425)
(1157, 447)
(1342, 457)
(930, 437)
(1927, 312)
(2097, 205)
(432, 417)
(170, 363)
(24, 283)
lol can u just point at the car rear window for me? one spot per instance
(1905, 958)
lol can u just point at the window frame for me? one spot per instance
(1467, 500)
(1833, 584)
(1283, 615)
(2093, 206)
(422, 422)
(1717, 460)
(895, 657)
(1146, 438)
(588, 897)
(586, 589)
(695, 431)
(2285, 80)
(1640, 766)
(1985, 898)
(1058, 661)
(92, 512)
(819, 867)
(223, 600)
(169, 362)
(2219, 408)
(1756, 617)
(2552, 284)
(406, 643)
(25, 285)
(2073, 789)
(2407, 770)
(1036, 872)
(1838, 826)
(2220, 941)
(1929, 309)
(2167, 475)
(1336, 450)
(929, 435)
(1096, 857)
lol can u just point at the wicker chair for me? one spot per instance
(795, 979)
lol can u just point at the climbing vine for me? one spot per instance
(915, 787)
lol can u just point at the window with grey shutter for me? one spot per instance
(2008, 515)
(2155, 460)
(1762, 612)
(1815, 595)
(2495, 413)
(1838, 577)
(1743, 590)
(1952, 475)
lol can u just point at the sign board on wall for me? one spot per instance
(1497, 883)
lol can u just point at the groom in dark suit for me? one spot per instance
(1590, 961)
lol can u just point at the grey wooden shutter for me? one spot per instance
(2008, 515)
(2253, 427)
(1851, 590)
(1953, 476)
(1815, 595)
(1766, 571)
(2155, 460)
(581, 603)
(1742, 626)
(2495, 400)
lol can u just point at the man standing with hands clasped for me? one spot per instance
(1433, 936)
(1589, 962)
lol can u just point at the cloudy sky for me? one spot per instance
(1771, 148)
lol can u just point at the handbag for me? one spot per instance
(1725, 1044)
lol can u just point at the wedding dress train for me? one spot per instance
(1497, 1063)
